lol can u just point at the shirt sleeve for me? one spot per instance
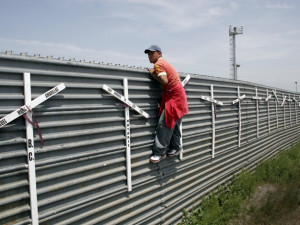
(159, 70)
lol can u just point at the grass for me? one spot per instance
(269, 195)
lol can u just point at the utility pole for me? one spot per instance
(233, 31)
(296, 86)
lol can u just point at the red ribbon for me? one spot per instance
(34, 123)
(215, 110)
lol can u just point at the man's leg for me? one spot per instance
(175, 142)
(162, 137)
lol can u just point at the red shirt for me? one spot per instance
(174, 100)
(163, 68)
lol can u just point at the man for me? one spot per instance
(173, 107)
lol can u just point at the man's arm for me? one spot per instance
(162, 79)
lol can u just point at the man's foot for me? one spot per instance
(173, 153)
(156, 158)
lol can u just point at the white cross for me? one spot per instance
(290, 100)
(267, 100)
(276, 102)
(282, 105)
(239, 100)
(257, 99)
(32, 104)
(186, 79)
(283, 101)
(213, 115)
(212, 100)
(125, 100)
(268, 97)
(184, 82)
(257, 110)
(274, 92)
(296, 102)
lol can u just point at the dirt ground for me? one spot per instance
(259, 198)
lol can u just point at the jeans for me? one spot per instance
(167, 139)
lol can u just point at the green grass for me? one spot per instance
(232, 202)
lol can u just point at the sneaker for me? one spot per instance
(156, 158)
(173, 153)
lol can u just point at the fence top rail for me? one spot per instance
(37, 58)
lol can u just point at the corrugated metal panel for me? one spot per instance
(81, 170)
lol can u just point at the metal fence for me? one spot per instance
(85, 173)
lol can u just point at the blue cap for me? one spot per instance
(153, 48)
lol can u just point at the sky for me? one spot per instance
(193, 34)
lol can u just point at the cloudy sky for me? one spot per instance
(193, 34)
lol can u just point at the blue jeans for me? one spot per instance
(167, 139)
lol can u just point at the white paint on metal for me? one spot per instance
(184, 82)
(276, 98)
(296, 102)
(276, 107)
(213, 113)
(32, 104)
(268, 108)
(283, 100)
(30, 153)
(186, 79)
(181, 142)
(257, 111)
(289, 101)
(268, 96)
(127, 134)
(282, 105)
(239, 100)
(124, 100)
(213, 120)
(212, 100)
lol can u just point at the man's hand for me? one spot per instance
(151, 71)
(163, 80)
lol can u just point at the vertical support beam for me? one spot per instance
(181, 142)
(213, 115)
(213, 121)
(283, 101)
(127, 135)
(289, 100)
(240, 117)
(268, 108)
(276, 107)
(184, 82)
(239, 100)
(296, 109)
(30, 153)
(257, 111)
